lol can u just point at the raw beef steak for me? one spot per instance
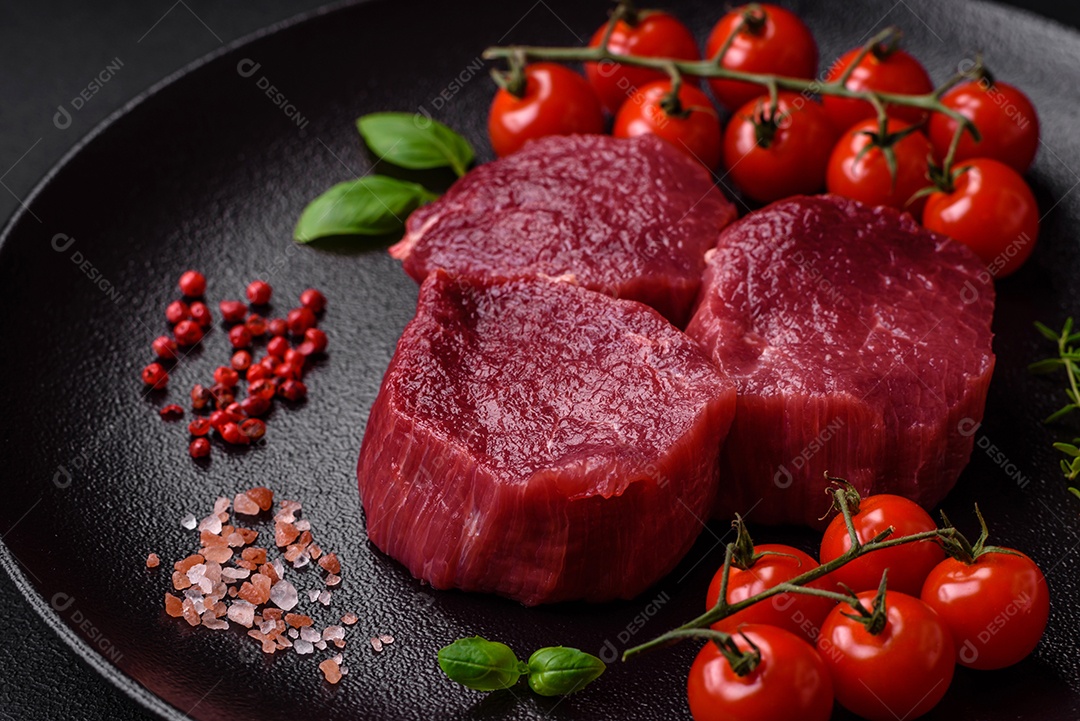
(859, 343)
(541, 441)
(630, 218)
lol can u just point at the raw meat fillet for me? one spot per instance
(541, 441)
(859, 343)
(630, 218)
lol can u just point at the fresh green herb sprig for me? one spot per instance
(1068, 357)
(379, 204)
(485, 665)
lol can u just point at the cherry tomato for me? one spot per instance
(694, 129)
(774, 156)
(868, 178)
(1005, 117)
(991, 210)
(557, 101)
(901, 672)
(995, 606)
(790, 681)
(892, 71)
(771, 40)
(908, 564)
(652, 34)
(799, 614)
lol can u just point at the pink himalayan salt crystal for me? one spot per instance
(330, 563)
(386, 638)
(262, 496)
(313, 595)
(376, 643)
(242, 612)
(324, 598)
(303, 647)
(310, 634)
(330, 670)
(231, 574)
(245, 505)
(218, 554)
(188, 522)
(190, 614)
(152, 561)
(349, 618)
(331, 633)
(211, 523)
(332, 580)
(213, 622)
(284, 595)
(173, 605)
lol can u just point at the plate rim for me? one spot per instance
(143, 697)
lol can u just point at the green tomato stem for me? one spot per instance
(723, 610)
(711, 68)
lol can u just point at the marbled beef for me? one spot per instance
(630, 218)
(541, 441)
(859, 343)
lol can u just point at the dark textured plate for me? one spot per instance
(210, 171)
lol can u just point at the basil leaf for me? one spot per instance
(371, 205)
(480, 664)
(415, 141)
(558, 671)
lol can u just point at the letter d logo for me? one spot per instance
(62, 118)
(968, 652)
(62, 601)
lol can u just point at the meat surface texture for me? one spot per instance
(632, 218)
(860, 345)
(541, 441)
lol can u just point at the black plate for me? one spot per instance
(210, 171)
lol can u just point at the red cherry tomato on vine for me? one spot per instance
(1005, 117)
(991, 210)
(694, 129)
(867, 178)
(901, 672)
(790, 682)
(767, 39)
(908, 564)
(799, 614)
(557, 101)
(652, 34)
(996, 607)
(886, 71)
(775, 156)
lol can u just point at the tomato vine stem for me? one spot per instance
(700, 626)
(516, 55)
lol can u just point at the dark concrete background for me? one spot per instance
(50, 51)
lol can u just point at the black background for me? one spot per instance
(50, 52)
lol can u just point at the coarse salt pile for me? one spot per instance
(230, 579)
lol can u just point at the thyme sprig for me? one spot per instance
(1068, 357)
